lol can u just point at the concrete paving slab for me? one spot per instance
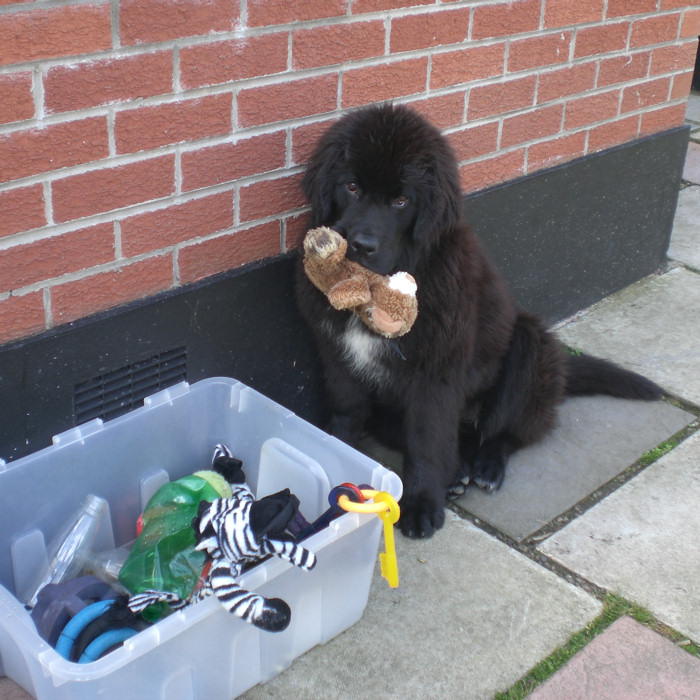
(692, 114)
(685, 238)
(627, 662)
(642, 540)
(691, 169)
(469, 618)
(11, 691)
(652, 327)
(596, 439)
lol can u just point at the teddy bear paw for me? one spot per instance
(322, 242)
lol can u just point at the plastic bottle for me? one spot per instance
(106, 565)
(69, 549)
(163, 557)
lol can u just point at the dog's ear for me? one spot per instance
(440, 193)
(318, 182)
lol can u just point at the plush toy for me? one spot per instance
(386, 304)
(232, 532)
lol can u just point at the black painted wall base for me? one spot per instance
(564, 238)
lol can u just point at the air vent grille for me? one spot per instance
(111, 394)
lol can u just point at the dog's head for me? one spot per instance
(387, 180)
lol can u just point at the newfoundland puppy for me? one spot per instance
(476, 377)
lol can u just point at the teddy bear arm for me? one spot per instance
(349, 293)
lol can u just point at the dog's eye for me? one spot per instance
(400, 202)
(352, 188)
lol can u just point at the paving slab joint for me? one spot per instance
(528, 549)
(528, 546)
(637, 467)
(579, 508)
(615, 607)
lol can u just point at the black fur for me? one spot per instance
(475, 378)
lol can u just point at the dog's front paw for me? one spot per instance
(421, 515)
(489, 467)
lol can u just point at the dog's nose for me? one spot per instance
(364, 245)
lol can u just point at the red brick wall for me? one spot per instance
(146, 144)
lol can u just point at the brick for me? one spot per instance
(228, 61)
(69, 30)
(384, 82)
(492, 171)
(563, 13)
(295, 230)
(670, 59)
(145, 128)
(444, 110)
(270, 198)
(26, 264)
(623, 69)
(429, 29)
(21, 316)
(680, 88)
(105, 81)
(153, 230)
(105, 290)
(645, 94)
(145, 21)
(601, 39)
(305, 138)
(263, 13)
(623, 8)
(291, 99)
(33, 151)
(113, 188)
(566, 81)
(222, 253)
(21, 209)
(233, 160)
(583, 111)
(672, 4)
(337, 43)
(541, 122)
(654, 30)
(691, 24)
(613, 134)
(466, 65)
(475, 141)
(499, 98)
(538, 51)
(550, 153)
(360, 6)
(662, 119)
(17, 101)
(506, 18)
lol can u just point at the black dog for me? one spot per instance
(475, 378)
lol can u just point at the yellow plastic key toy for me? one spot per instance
(387, 559)
(388, 510)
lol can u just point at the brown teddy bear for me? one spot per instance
(386, 304)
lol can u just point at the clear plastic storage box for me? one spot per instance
(201, 651)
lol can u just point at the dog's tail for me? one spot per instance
(588, 375)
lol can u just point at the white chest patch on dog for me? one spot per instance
(364, 351)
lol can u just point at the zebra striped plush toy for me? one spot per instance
(234, 532)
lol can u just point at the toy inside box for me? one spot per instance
(200, 650)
